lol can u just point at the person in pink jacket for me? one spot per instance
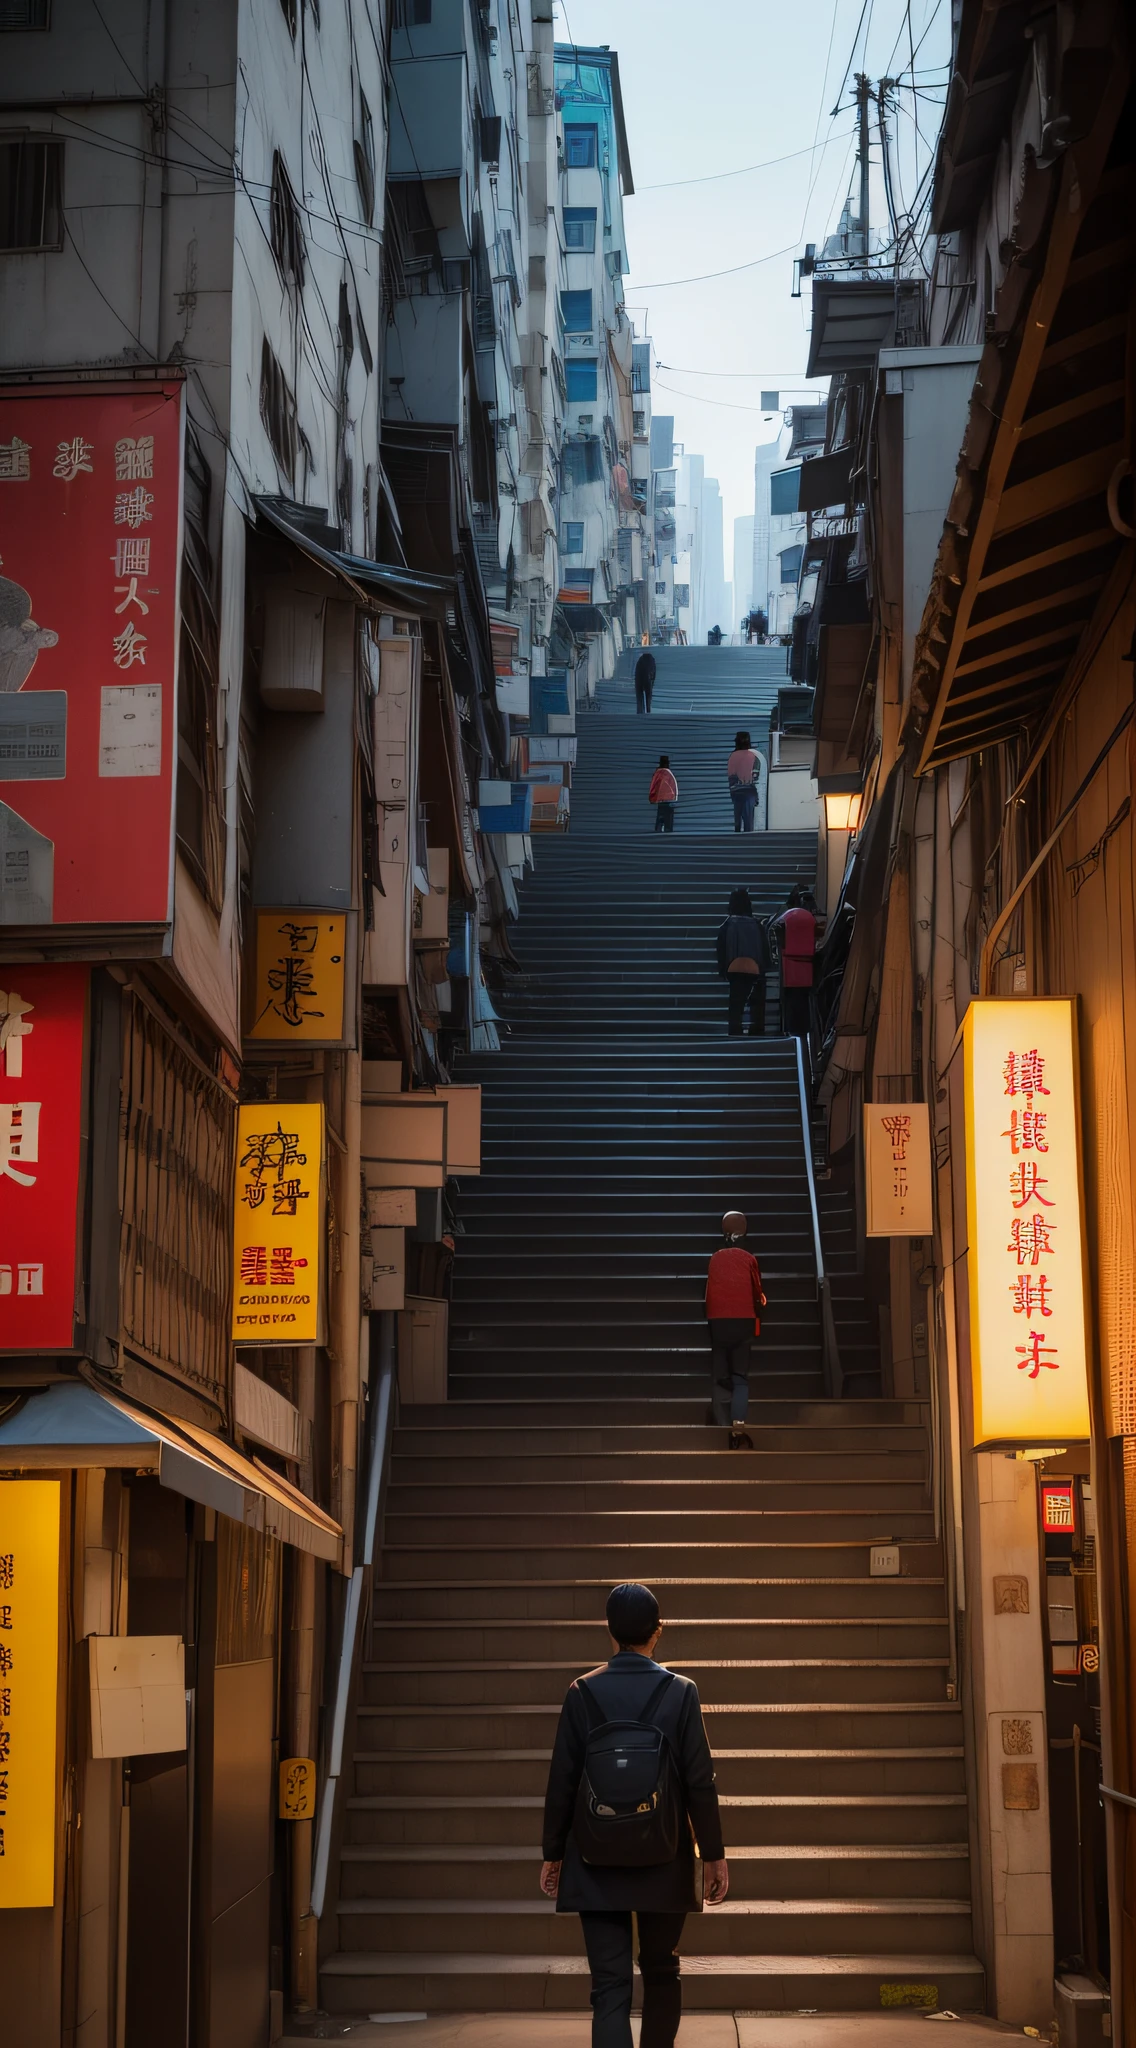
(735, 1298)
(663, 793)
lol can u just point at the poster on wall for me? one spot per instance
(897, 1169)
(43, 1012)
(1025, 1224)
(90, 515)
(29, 1689)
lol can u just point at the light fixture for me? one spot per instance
(842, 811)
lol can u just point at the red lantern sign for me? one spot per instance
(42, 1022)
(1058, 1507)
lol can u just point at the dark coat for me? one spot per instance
(645, 669)
(741, 938)
(622, 1689)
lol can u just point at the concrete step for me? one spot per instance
(488, 1681)
(795, 1555)
(522, 1604)
(733, 1640)
(809, 1773)
(730, 1724)
(800, 1820)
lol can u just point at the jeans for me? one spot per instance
(607, 1938)
(745, 803)
(730, 1340)
(643, 696)
(746, 989)
(664, 817)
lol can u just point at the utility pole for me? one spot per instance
(863, 100)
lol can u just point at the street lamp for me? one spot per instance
(842, 811)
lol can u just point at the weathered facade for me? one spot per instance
(969, 634)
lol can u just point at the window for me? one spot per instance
(574, 537)
(457, 275)
(31, 192)
(365, 161)
(578, 579)
(583, 378)
(278, 411)
(579, 146)
(580, 228)
(682, 596)
(660, 590)
(790, 559)
(576, 312)
(639, 424)
(784, 488)
(582, 462)
(413, 14)
(287, 233)
(23, 14)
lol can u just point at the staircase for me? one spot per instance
(619, 1123)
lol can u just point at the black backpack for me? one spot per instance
(628, 1808)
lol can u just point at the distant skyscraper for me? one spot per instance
(743, 565)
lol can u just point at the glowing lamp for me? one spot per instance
(842, 811)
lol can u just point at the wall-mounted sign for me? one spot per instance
(1058, 1509)
(29, 1683)
(897, 1169)
(90, 508)
(42, 1022)
(300, 977)
(278, 1223)
(1025, 1223)
(296, 1788)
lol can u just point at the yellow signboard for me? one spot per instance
(29, 1680)
(1025, 1223)
(296, 1798)
(278, 1223)
(300, 976)
(897, 1163)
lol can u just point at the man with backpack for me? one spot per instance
(663, 793)
(631, 1793)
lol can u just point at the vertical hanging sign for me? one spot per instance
(278, 1223)
(42, 1024)
(897, 1162)
(1025, 1224)
(29, 1683)
(90, 514)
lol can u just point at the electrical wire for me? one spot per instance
(663, 284)
(720, 404)
(743, 171)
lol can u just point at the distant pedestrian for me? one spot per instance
(796, 931)
(741, 777)
(630, 1790)
(743, 961)
(735, 1298)
(663, 793)
(644, 680)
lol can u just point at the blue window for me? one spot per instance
(582, 373)
(580, 145)
(578, 579)
(576, 312)
(574, 537)
(580, 228)
(784, 486)
(791, 564)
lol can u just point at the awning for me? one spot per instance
(583, 618)
(71, 1424)
(853, 318)
(824, 481)
(412, 590)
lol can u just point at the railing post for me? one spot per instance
(830, 1351)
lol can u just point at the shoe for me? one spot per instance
(739, 1441)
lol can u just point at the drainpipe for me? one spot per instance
(346, 1357)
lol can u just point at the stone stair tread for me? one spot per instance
(737, 1909)
(745, 1852)
(358, 1963)
(425, 1802)
(455, 1756)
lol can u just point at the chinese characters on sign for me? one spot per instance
(90, 487)
(1058, 1515)
(42, 1021)
(1025, 1224)
(278, 1223)
(897, 1157)
(29, 1664)
(300, 970)
(296, 1788)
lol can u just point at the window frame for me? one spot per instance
(52, 146)
(580, 217)
(28, 28)
(585, 369)
(582, 129)
(578, 326)
(571, 546)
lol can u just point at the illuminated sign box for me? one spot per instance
(29, 1688)
(278, 1223)
(43, 1012)
(300, 982)
(1025, 1224)
(1058, 1508)
(897, 1163)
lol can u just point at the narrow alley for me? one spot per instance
(574, 1453)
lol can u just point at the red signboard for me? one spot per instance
(90, 508)
(42, 1020)
(1058, 1507)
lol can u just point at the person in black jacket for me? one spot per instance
(661, 1894)
(644, 680)
(743, 961)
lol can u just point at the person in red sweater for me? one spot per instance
(734, 1300)
(663, 793)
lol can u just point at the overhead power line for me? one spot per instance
(743, 170)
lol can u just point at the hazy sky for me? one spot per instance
(717, 86)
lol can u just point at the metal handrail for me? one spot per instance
(380, 1432)
(1121, 1798)
(830, 1352)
